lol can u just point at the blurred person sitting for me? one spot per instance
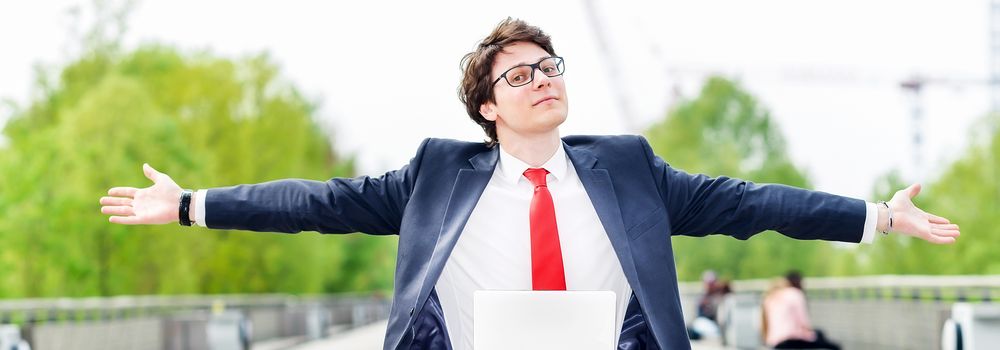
(706, 323)
(786, 322)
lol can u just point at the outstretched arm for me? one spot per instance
(698, 205)
(339, 205)
(372, 205)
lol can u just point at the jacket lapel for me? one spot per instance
(597, 182)
(469, 186)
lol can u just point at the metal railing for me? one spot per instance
(875, 312)
(180, 322)
(872, 312)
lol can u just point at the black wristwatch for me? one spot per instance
(185, 208)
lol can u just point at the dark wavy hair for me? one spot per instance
(476, 87)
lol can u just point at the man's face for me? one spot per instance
(536, 108)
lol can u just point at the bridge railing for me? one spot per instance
(180, 322)
(884, 312)
(874, 312)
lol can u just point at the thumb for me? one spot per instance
(913, 190)
(150, 173)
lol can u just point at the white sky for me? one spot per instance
(386, 72)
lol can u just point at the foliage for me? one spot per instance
(206, 121)
(968, 193)
(725, 131)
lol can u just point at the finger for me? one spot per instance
(945, 227)
(934, 219)
(116, 201)
(941, 240)
(118, 210)
(913, 190)
(122, 191)
(945, 233)
(124, 220)
(150, 173)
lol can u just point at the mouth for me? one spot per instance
(543, 100)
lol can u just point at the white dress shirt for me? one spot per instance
(494, 250)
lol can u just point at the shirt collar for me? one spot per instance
(512, 169)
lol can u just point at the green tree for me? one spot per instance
(206, 121)
(968, 193)
(725, 131)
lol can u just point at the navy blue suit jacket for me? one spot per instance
(641, 201)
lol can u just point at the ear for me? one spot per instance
(489, 111)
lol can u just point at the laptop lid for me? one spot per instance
(582, 320)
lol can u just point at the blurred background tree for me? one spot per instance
(205, 120)
(726, 131)
(968, 193)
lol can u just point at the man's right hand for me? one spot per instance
(156, 204)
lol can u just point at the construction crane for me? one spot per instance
(995, 56)
(913, 86)
(625, 106)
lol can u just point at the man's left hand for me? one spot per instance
(909, 220)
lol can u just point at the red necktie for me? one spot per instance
(546, 255)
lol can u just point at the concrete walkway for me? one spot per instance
(362, 338)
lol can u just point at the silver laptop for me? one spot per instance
(581, 320)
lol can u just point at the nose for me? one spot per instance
(540, 79)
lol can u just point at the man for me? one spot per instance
(527, 210)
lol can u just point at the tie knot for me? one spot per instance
(536, 176)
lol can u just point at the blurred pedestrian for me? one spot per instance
(786, 318)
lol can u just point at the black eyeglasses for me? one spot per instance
(525, 73)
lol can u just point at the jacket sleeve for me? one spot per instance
(339, 205)
(698, 205)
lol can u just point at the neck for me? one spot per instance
(532, 149)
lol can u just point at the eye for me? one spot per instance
(518, 78)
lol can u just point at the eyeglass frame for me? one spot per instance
(535, 66)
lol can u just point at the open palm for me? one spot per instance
(156, 204)
(913, 221)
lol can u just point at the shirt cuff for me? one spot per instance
(199, 208)
(871, 218)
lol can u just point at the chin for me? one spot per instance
(555, 112)
(555, 119)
